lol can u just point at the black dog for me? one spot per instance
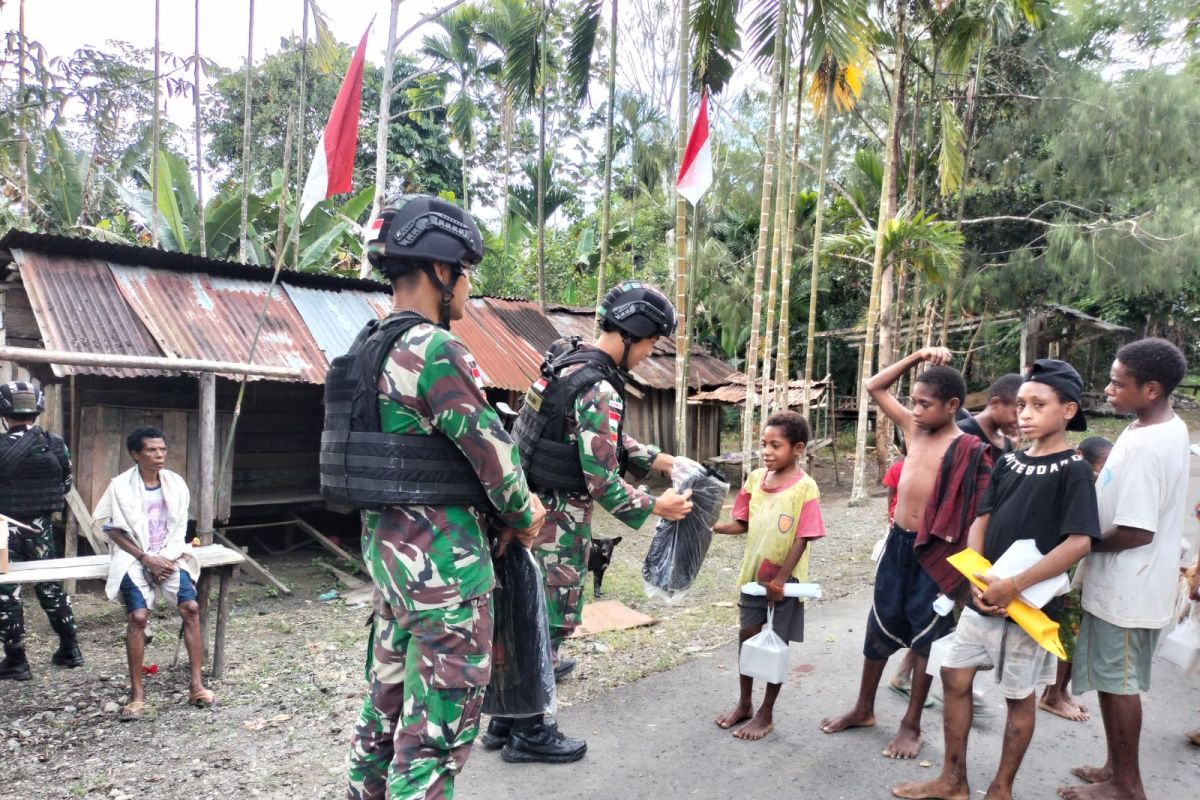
(600, 558)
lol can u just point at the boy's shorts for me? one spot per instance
(137, 592)
(1022, 665)
(787, 622)
(902, 612)
(1112, 659)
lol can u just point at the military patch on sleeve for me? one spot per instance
(476, 372)
(614, 422)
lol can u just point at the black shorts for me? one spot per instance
(902, 612)
(787, 621)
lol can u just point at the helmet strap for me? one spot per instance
(626, 341)
(447, 290)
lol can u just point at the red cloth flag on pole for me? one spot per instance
(333, 163)
(695, 173)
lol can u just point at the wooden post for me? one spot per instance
(218, 661)
(1025, 325)
(203, 588)
(208, 446)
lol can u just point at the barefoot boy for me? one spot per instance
(1129, 579)
(1045, 494)
(902, 613)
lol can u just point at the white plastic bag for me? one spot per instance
(765, 655)
(1182, 646)
(1020, 556)
(937, 654)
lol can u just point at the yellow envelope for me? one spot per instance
(1033, 621)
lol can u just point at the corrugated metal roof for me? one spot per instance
(79, 247)
(526, 320)
(334, 318)
(79, 308)
(506, 360)
(195, 315)
(657, 371)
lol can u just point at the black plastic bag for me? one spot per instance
(678, 549)
(522, 682)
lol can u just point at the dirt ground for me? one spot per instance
(294, 676)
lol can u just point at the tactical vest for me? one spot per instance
(363, 467)
(32, 478)
(549, 458)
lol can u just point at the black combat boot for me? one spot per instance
(538, 739)
(15, 667)
(497, 733)
(563, 668)
(68, 653)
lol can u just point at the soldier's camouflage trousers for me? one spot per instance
(426, 675)
(562, 548)
(23, 546)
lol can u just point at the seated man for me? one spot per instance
(144, 511)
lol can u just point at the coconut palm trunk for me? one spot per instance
(760, 259)
(541, 175)
(681, 286)
(858, 491)
(969, 128)
(23, 134)
(302, 118)
(381, 131)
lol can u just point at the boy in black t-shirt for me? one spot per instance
(1046, 494)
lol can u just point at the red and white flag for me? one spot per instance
(333, 163)
(695, 173)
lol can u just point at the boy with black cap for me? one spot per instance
(1046, 494)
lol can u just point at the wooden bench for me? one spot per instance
(213, 558)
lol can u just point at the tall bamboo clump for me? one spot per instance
(764, 227)
(244, 223)
(858, 491)
(781, 197)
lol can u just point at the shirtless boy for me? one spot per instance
(902, 612)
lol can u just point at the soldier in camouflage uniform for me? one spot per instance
(430, 657)
(632, 317)
(35, 475)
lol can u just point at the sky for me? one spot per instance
(63, 26)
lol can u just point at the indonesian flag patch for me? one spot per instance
(476, 372)
(614, 422)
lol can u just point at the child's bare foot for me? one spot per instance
(739, 713)
(1083, 709)
(1097, 791)
(906, 743)
(939, 789)
(1194, 737)
(855, 718)
(1063, 708)
(756, 728)
(1093, 774)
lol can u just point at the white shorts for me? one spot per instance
(989, 642)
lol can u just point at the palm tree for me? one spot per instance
(461, 65)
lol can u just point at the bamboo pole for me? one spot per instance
(302, 119)
(23, 117)
(26, 355)
(858, 491)
(760, 259)
(822, 175)
(381, 133)
(681, 287)
(541, 175)
(781, 197)
(606, 205)
(199, 163)
(156, 132)
(246, 108)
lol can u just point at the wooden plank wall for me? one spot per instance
(278, 441)
(651, 419)
(102, 454)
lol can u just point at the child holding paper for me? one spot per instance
(1045, 494)
(780, 509)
